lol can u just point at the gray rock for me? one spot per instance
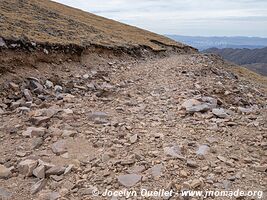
(59, 147)
(220, 112)
(39, 172)
(68, 133)
(2, 43)
(37, 187)
(37, 87)
(58, 88)
(99, 117)
(4, 172)
(27, 166)
(95, 115)
(133, 138)
(212, 102)
(245, 110)
(195, 183)
(156, 170)
(192, 164)
(261, 168)
(37, 121)
(27, 94)
(34, 132)
(190, 102)
(199, 108)
(129, 180)
(86, 76)
(14, 105)
(56, 170)
(37, 142)
(49, 84)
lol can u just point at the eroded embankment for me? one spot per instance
(21, 55)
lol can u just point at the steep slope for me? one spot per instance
(44, 21)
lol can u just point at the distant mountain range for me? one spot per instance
(250, 52)
(253, 59)
(203, 43)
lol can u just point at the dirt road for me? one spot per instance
(177, 123)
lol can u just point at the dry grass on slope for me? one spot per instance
(45, 21)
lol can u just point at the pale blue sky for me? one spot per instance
(184, 17)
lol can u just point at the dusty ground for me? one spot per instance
(118, 117)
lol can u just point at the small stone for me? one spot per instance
(39, 172)
(105, 157)
(34, 132)
(219, 112)
(192, 164)
(37, 142)
(35, 84)
(245, 110)
(37, 121)
(222, 158)
(46, 51)
(196, 183)
(26, 167)
(59, 147)
(56, 178)
(156, 170)
(27, 94)
(183, 174)
(86, 76)
(202, 150)
(24, 109)
(56, 170)
(129, 180)
(68, 169)
(15, 105)
(190, 102)
(20, 154)
(58, 88)
(37, 187)
(133, 138)
(198, 108)
(261, 168)
(2, 43)
(49, 84)
(65, 155)
(47, 165)
(173, 151)
(98, 117)
(4, 172)
(68, 133)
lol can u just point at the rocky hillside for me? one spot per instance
(44, 21)
(253, 59)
